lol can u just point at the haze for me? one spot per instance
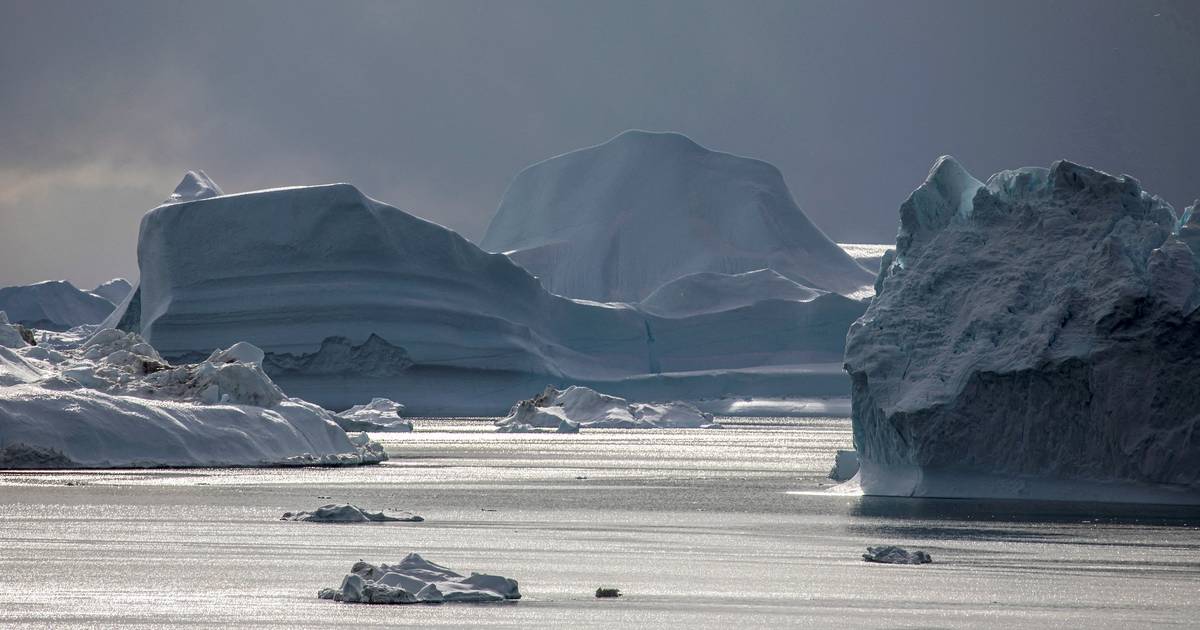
(434, 106)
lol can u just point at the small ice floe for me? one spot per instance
(415, 580)
(845, 465)
(346, 513)
(379, 415)
(603, 592)
(566, 411)
(891, 554)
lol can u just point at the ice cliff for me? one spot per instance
(616, 221)
(1032, 336)
(352, 299)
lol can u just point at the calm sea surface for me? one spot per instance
(718, 528)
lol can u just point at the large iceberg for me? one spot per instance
(53, 305)
(616, 221)
(352, 299)
(1033, 336)
(110, 400)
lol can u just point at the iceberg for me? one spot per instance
(891, 554)
(110, 401)
(351, 299)
(567, 410)
(346, 513)
(614, 222)
(1035, 336)
(114, 290)
(53, 305)
(380, 414)
(415, 580)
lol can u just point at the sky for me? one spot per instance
(434, 106)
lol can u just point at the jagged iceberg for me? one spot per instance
(53, 305)
(415, 580)
(110, 400)
(346, 513)
(194, 185)
(352, 299)
(381, 414)
(567, 410)
(1034, 336)
(616, 221)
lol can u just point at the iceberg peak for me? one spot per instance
(195, 185)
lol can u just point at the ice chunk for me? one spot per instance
(195, 185)
(416, 580)
(346, 513)
(568, 410)
(380, 414)
(845, 465)
(891, 554)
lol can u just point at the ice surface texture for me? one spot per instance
(353, 299)
(568, 410)
(195, 185)
(616, 221)
(1034, 336)
(110, 400)
(417, 581)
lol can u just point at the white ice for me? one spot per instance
(567, 410)
(346, 513)
(415, 580)
(381, 414)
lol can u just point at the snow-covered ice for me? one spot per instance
(346, 513)
(845, 465)
(380, 414)
(114, 290)
(1032, 337)
(53, 305)
(110, 400)
(351, 299)
(415, 580)
(195, 185)
(567, 410)
(614, 222)
(891, 554)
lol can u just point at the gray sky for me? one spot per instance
(434, 106)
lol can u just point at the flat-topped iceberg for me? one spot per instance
(351, 299)
(1034, 336)
(415, 580)
(616, 221)
(567, 410)
(109, 400)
